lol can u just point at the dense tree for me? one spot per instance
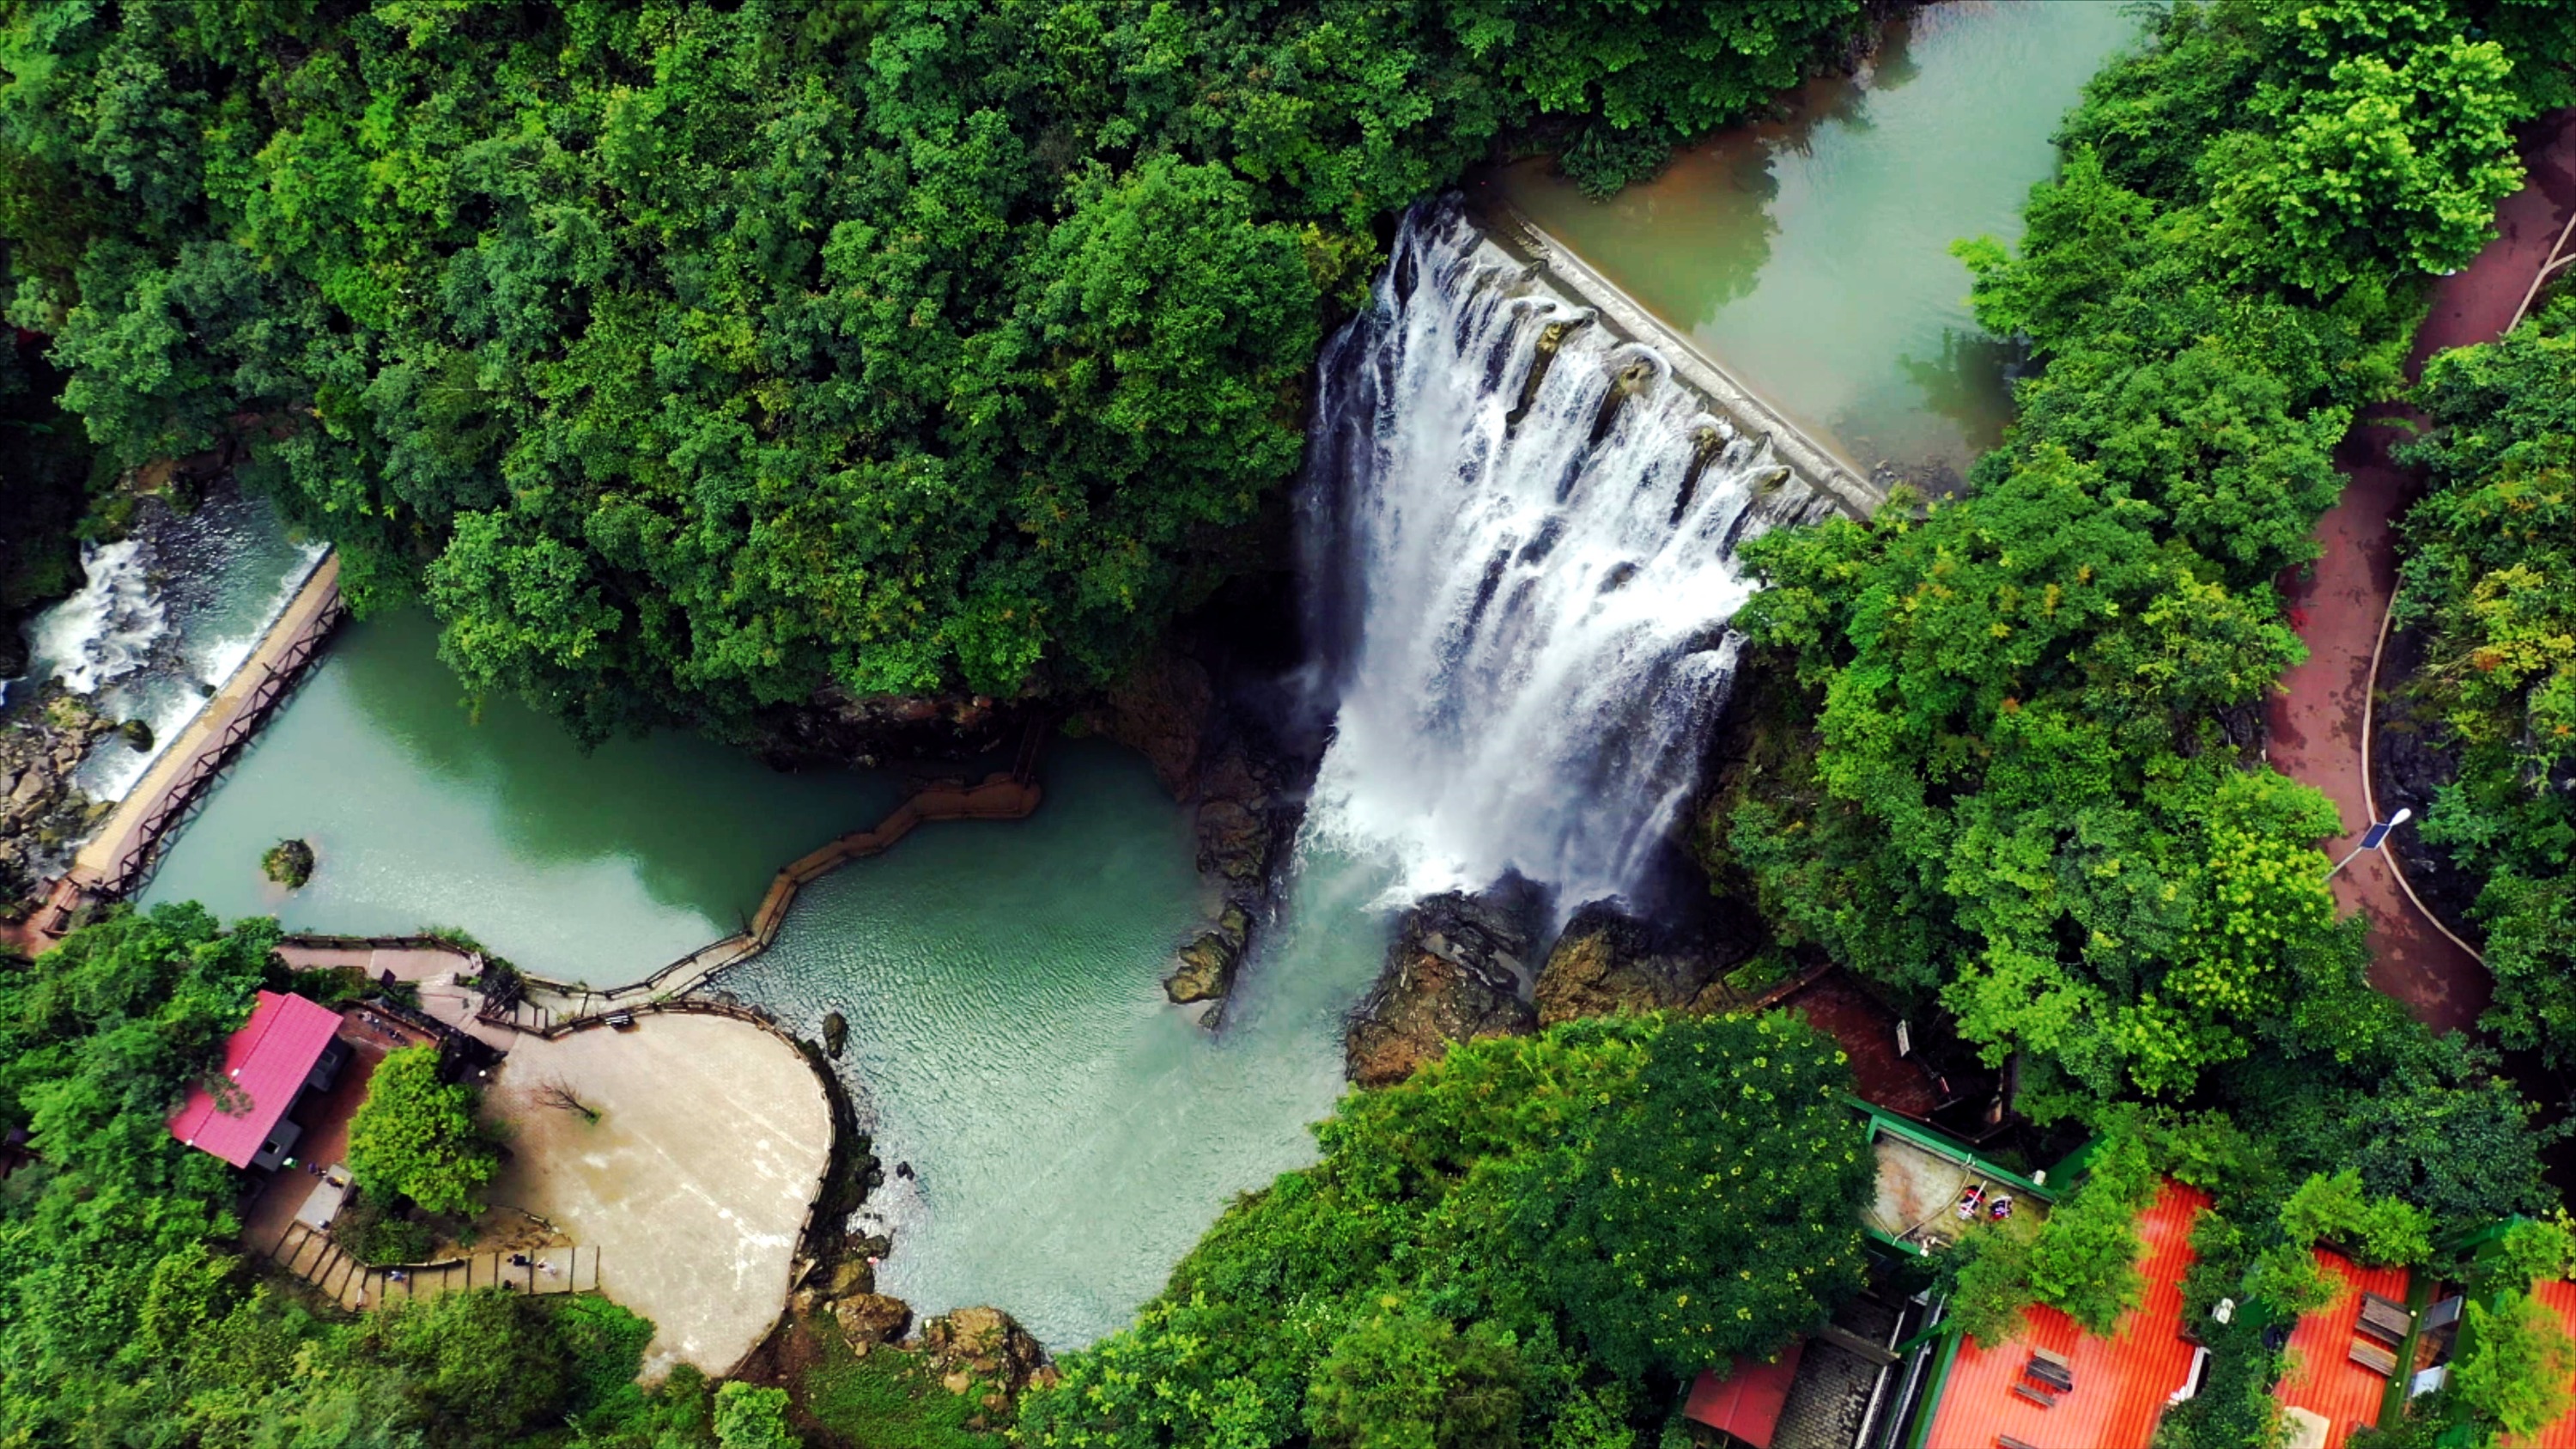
(415, 1136)
(2373, 1230)
(2490, 576)
(690, 358)
(2031, 793)
(2516, 1367)
(1531, 1240)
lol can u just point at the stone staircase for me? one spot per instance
(312, 1256)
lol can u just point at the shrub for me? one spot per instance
(415, 1136)
(749, 1417)
(289, 863)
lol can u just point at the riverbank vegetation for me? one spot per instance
(2033, 795)
(1533, 1240)
(690, 358)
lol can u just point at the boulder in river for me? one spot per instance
(1204, 969)
(289, 863)
(1455, 973)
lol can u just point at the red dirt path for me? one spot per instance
(2316, 721)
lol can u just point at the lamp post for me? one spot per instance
(2373, 838)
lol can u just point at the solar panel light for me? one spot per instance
(2375, 837)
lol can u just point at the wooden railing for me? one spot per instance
(186, 793)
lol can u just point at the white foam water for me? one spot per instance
(1522, 596)
(166, 617)
(107, 630)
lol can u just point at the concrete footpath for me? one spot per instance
(2320, 718)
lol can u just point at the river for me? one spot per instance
(1810, 255)
(1070, 1134)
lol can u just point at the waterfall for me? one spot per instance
(167, 616)
(1518, 539)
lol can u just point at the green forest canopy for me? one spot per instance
(690, 357)
(2490, 574)
(1533, 1240)
(2031, 793)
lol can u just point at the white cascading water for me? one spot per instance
(1525, 625)
(108, 629)
(166, 617)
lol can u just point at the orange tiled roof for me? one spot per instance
(2322, 1377)
(2121, 1382)
(2559, 1296)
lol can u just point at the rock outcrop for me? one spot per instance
(869, 1319)
(1606, 962)
(42, 814)
(1204, 969)
(985, 1352)
(1455, 973)
(836, 729)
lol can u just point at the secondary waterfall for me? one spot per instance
(1518, 538)
(168, 613)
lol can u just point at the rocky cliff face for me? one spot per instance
(1245, 792)
(836, 728)
(1455, 973)
(1606, 962)
(42, 814)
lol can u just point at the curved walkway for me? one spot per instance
(2320, 717)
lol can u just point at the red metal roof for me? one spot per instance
(267, 1062)
(1746, 1402)
(2559, 1297)
(2121, 1382)
(2322, 1378)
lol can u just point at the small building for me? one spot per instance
(2052, 1384)
(1856, 1382)
(2343, 1355)
(288, 1047)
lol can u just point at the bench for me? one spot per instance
(2372, 1357)
(2388, 1322)
(2040, 1397)
(2051, 1369)
(2006, 1441)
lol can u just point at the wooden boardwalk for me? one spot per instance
(119, 858)
(312, 1256)
(552, 1008)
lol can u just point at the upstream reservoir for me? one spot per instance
(1810, 255)
(1069, 1134)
